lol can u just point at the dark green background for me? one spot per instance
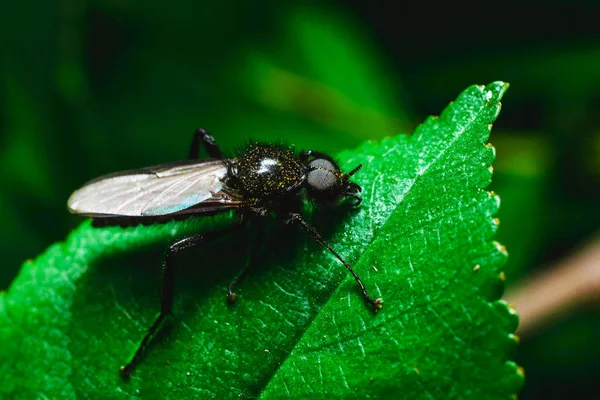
(94, 87)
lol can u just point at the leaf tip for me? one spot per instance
(493, 93)
(498, 86)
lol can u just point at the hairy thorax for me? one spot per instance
(267, 172)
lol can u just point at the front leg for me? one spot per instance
(296, 218)
(209, 143)
(166, 293)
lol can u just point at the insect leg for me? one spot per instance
(231, 295)
(312, 232)
(166, 293)
(209, 143)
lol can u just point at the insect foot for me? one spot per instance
(125, 372)
(232, 297)
(377, 304)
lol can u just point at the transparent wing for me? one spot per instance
(160, 190)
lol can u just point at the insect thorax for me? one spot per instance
(265, 172)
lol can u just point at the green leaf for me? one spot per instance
(422, 240)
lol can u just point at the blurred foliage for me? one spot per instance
(93, 87)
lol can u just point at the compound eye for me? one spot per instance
(321, 179)
(321, 163)
(323, 176)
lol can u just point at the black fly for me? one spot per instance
(265, 179)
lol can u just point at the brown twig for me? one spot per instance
(571, 283)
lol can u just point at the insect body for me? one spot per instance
(263, 180)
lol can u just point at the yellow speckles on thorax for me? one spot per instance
(269, 171)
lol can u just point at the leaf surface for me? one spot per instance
(423, 240)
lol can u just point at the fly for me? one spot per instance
(264, 180)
